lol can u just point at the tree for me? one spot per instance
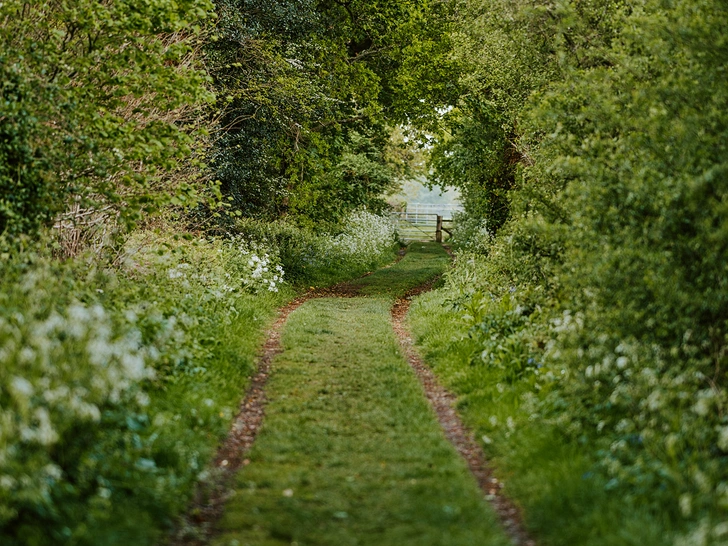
(95, 104)
(302, 85)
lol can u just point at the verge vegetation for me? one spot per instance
(118, 382)
(553, 479)
(590, 292)
(350, 452)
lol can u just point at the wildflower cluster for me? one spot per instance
(115, 382)
(264, 273)
(237, 264)
(366, 238)
(62, 369)
(636, 399)
(362, 241)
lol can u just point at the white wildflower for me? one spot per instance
(22, 386)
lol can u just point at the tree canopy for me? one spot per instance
(587, 137)
(308, 93)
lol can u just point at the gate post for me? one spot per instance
(438, 230)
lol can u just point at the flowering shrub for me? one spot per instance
(116, 384)
(238, 265)
(60, 372)
(656, 416)
(365, 239)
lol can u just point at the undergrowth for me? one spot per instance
(120, 375)
(489, 348)
(117, 382)
(362, 243)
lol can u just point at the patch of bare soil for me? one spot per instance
(443, 402)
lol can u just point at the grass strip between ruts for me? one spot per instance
(350, 452)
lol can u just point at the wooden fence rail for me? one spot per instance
(420, 221)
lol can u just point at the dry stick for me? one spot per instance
(442, 401)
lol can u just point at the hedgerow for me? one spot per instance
(116, 382)
(118, 378)
(606, 274)
(100, 103)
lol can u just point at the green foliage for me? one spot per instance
(552, 477)
(510, 50)
(94, 101)
(362, 243)
(116, 385)
(470, 233)
(643, 263)
(615, 238)
(479, 159)
(307, 92)
(360, 180)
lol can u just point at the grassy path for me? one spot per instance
(350, 452)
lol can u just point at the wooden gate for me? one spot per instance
(422, 226)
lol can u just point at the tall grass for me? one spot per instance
(553, 477)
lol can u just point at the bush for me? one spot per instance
(116, 384)
(470, 233)
(612, 119)
(361, 243)
(366, 239)
(95, 102)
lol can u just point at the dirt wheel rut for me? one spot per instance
(463, 439)
(197, 526)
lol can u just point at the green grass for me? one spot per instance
(326, 274)
(350, 452)
(146, 456)
(564, 502)
(422, 262)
